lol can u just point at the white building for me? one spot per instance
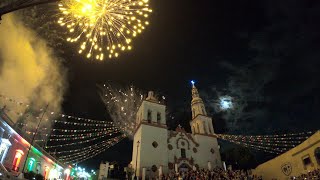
(157, 150)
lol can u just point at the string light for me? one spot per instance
(75, 135)
(80, 142)
(78, 160)
(81, 149)
(82, 137)
(83, 130)
(88, 151)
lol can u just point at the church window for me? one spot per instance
(170, 147)
(209, 128)
(149, 116)
(317, 154)
(155, 144)
(306, 160)
(183, 153)
(158, 118)
(195, 150)
(212, 150)
(202, 109)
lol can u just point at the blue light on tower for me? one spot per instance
(192, 82)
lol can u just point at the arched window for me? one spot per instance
(158, 118)
(317, 154)
(202, 109)
(149, 116)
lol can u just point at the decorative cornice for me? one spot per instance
(188, 135)
(150, 124)
(208, 135)
(200, 115)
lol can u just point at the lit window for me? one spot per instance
(31, 163)
(17, 159)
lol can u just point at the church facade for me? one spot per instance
(157, 150)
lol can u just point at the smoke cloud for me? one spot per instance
(29, 72)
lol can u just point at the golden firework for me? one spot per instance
(104, 25)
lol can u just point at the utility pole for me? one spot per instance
(31, 143)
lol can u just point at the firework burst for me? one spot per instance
(104, 25)
(122, 106)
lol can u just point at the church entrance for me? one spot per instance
(184, 167)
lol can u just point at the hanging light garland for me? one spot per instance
(83, 158)
(95, 148)
(80, 142)
(53, 136)
(83, 124)
(83, 137)
(81, 149)
(259, 148)
(278, 143)
(83, 130)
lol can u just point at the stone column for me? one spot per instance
(209, 166)
(160, 172)
(224, 165)
(176, 167)
(143, 174)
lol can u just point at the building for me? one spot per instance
(157, 150)
(14, 154)
(103, 171)
(299, 160)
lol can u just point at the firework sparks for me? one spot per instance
(122, 106)
(104, 25)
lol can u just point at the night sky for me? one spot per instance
(208, 41)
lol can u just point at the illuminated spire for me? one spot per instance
(197, 105)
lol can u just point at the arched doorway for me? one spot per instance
(184, 167)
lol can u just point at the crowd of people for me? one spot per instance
(312, 175)
(214, 174)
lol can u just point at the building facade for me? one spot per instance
(14, 154)
(157, 150)
(299, 160)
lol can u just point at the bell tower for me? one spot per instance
(150, 137)
(200, 123)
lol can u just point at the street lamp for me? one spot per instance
(135, 172)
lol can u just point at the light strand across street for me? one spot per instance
(83, 137)
(79, 142)
(81, 149)
(95, 153)
(83, 153)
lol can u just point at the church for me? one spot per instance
(157, 150)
